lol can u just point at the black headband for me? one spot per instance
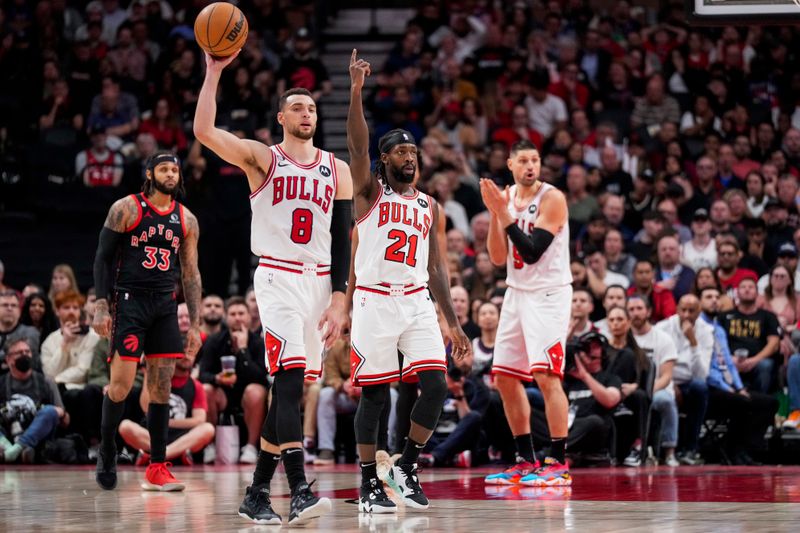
(393, 138)
(162, 158)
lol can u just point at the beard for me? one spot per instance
(712, 314)
(403, 176)
(213, 320)
(166, 189)
(300, 134)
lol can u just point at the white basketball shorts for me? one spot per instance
(385, 324)
(532, 333)
(290, 306)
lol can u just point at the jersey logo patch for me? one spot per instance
(555, 353)
(532, 209)
(174, 219)
(325, 171)
(423, 203)
(131, 343)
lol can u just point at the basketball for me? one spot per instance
(220, 29)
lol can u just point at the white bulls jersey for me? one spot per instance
(292, 209)
(552, 269)
(393, 240)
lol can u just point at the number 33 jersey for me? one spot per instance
(393, 240)
(149, 259)
(292, 209)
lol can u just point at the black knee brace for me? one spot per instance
(431, 400)
(368, 414)
(287, 391)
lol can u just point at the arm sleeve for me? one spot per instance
(341, 221)
(103, 261)
(530, 248)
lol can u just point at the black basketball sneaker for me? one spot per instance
(306, 506)
(405, 476)
(257, 506)
(373, 499)
(106, 472)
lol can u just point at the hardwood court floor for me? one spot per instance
(48, 498)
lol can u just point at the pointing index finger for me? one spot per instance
(353, 57)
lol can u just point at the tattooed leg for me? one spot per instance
(159, 383)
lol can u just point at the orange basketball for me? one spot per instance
(220, 29)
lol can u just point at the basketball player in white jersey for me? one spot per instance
(396, 261)
(529, 233)
(301, 198)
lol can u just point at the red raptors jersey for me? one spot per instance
(101, 172)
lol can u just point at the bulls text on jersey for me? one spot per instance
(397, 213)
(301, 188)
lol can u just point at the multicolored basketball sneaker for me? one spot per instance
(512, 475)
(551, 474)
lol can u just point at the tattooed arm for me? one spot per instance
(190, 276)
(439, 285)
(122, 214)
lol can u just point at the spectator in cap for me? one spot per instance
(644, 242)
(756, 253)
(701, 250)
(776, 216)
(787, 256)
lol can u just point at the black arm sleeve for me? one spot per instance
(341, 221)
(530, 248)
(103, 261)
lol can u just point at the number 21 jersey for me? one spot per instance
(292, 209)
(393, 240)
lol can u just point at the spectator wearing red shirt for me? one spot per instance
(570, 89)
(164, 126)
(188, 430)
(729, 273)
(661, 300)
(519, 129)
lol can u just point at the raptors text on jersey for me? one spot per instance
(293, 207)
(149, 259)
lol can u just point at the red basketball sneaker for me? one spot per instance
(158, 478)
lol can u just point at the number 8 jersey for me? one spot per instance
(393, 240)
(292, 209)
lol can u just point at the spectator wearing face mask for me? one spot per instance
(30, 404)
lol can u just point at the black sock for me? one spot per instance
(558, 448)
(158, 425)
(369, 471)
(525, 447)
(410, 452)
(265, 467)
(112, 413)
(293, 465)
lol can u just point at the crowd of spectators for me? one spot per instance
(678, 149)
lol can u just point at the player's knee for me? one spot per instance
(126, 428)
(289, 386)
(506, 384)
(368, 414)
(118, 391)
(254, 394)
(434, 387)
(207, 431)
(548, 383)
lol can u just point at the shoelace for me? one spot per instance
(412, 482)
(163, 468)
(262, 493)
(305, 494)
